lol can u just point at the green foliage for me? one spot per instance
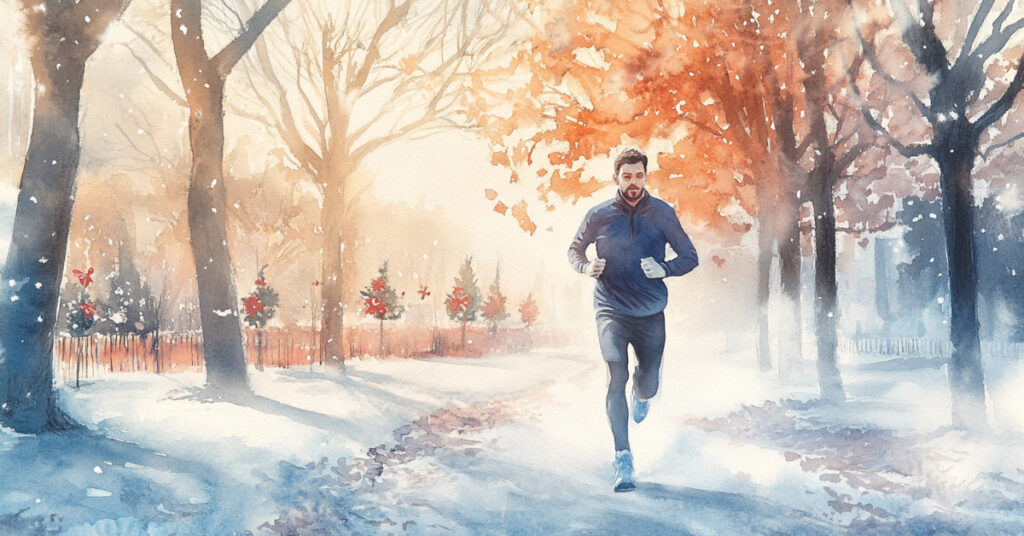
(380, 300)
(463, 303)
(260, 306)
(81, 315)
(494, 309)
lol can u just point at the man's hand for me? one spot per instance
(652, 268)
(596, 267)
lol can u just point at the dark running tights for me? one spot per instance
(645, 381)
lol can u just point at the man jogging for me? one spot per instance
(630, 233)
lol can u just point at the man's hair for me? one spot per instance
(630, 156)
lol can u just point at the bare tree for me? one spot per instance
(64, 35)
(838, 138)
(203, 77)
(362, 75)
(966, 95)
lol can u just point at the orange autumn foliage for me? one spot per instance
(598, 76)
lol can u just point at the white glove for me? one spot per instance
(596, 268)
(652, 268)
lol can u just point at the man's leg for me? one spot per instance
(613, 340)
(649, 344)
(615, 403)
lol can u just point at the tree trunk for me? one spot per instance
(203, 79)
(155, 349)
(830, 382)
(223, 349)
(790, 261)
(35, 262)
(765, 253)
(332, 321)
(259, 349)
(822, 180)
(966, 378)
(64, 35)
(382, 337)
(883, 305)
(463, 334)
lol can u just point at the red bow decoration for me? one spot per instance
(423, 292)
(375, 307)
(458, 303)
(253, 306)
(261, 282)
(84, 278)
(87, 309)
(378, 285)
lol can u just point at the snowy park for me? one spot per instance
(633, 267)
(515, 444)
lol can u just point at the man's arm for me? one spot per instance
(578, 249)
(686, 255)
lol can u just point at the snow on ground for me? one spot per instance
(519, 444)
(8, 202)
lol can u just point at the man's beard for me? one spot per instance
(634, 193)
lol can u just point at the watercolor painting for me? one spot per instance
(648, 267)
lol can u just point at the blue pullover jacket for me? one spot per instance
(624, 234)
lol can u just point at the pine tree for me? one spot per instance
(81, 316)
(528, 311)
(381, 301)
(463, 302)
(494, 308)
(260, 308)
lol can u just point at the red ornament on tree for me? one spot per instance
(375, 307)
(88, 309)
(253, 306)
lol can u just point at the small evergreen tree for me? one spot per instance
(260, 308)
(80, 317)
(494, 308)
(528, 311)
(463, 302)
(381, 301)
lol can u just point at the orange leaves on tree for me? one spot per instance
(568, 186)
(528, 310)
(602, 75)
(409, 64)
(520, 214)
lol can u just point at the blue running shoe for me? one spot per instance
(640, 408)
(624, 472)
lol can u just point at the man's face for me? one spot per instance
(631, 180)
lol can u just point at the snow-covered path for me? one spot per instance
(526, 463)
(519, 444)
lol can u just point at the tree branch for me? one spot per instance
(1002, 105)
(226, 59)
(908, 151)
(998, 40)
(160, 84)
(992, 148)
(852, 155)
(871, 55)
(921, 38)
(979, 18)
(394, 16)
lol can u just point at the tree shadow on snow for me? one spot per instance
(60, 480)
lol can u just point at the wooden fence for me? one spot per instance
(923, 347)
(97, 355)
